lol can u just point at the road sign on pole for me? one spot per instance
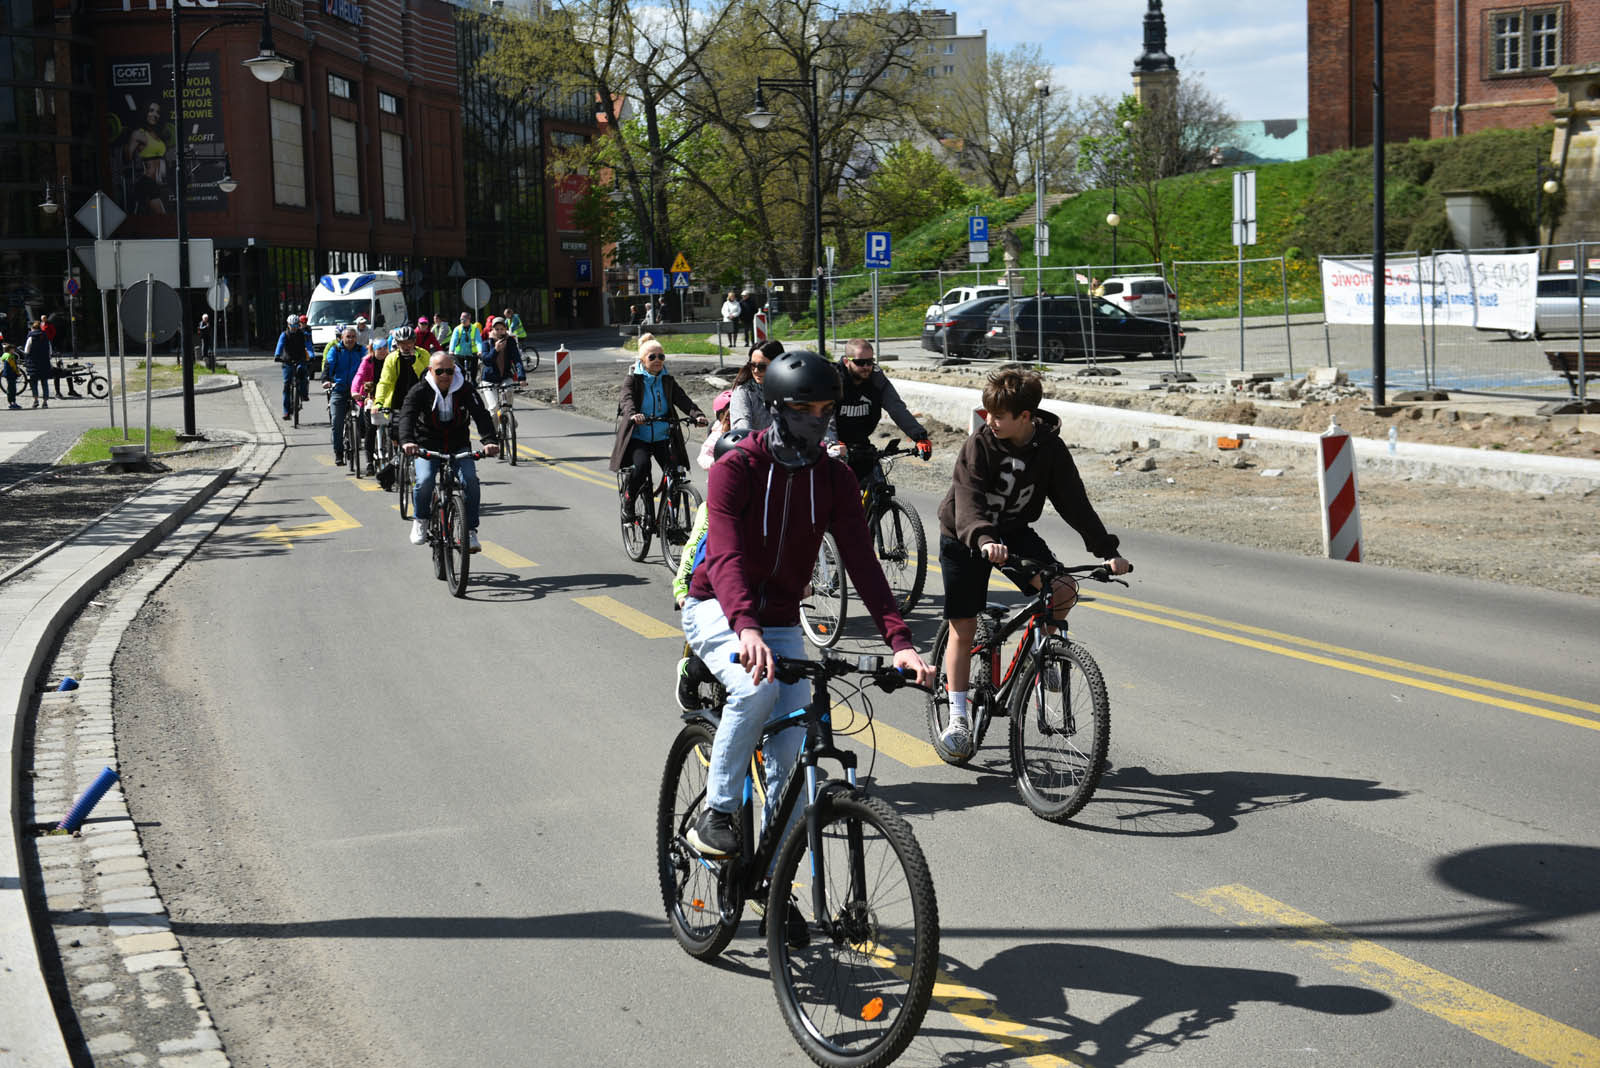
(680, 279)
(1244, 207)
(151, 312)
(880, 252)
(652, 281)
(475, 292)
(1041, 240)
(218, 295)
(680, 265)
(978, 228)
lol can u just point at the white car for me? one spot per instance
(1142, 294)
(960, 295)
(1556, 306)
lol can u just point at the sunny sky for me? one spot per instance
(1252, 53)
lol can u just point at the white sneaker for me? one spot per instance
(957, 739)
(472, 542)
(419, 532)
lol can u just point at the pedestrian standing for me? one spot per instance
(36, 358)
(748, 305)
(730, 316)
(10, 372)
(207, 356)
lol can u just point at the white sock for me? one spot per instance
(958, 706)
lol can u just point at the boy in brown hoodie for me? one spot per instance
(1004, 475)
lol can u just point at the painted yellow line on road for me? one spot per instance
(370, 487)
(325, 461)
(503, 556)
(1421, 669)
(977, 1011)
(632, 618)
(1102, 602)
(892, 742)
(339, 520)
(570, 468)
(1486, 1015)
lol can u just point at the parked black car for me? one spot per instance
(965, 325)
(1079, 326)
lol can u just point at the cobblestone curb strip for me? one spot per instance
(124, 971)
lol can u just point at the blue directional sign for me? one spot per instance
(584, 270)
(680, 279)
(652, 280)
(879, 250)
(977, 227)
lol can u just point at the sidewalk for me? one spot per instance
(36, 604)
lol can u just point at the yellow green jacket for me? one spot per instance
(384, 396)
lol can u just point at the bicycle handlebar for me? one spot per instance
(888, 678)
(1098, 572)
(429, 454)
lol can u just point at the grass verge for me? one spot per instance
(95, 443)
(167, 375)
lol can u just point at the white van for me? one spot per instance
(339, 298)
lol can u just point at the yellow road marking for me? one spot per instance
(325, 461)
(340, 520)
(570, 468)
(892, 742)
(1101, 603)
(1502, 1022)
(977, 1011)
(503, 556)
(370, 487)
(1421, 669)
(632, 618)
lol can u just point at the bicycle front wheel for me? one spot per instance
(352, 437)
(636, 519)
(404, 483)
(508, 441)
(980, 693)
(902, 550)
(1060, 729)
(457, 553)
(99, 386)
(674, 520)
(530, 359)
(692, 887)
(854, 982)
(822, 613)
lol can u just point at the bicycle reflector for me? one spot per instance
(872, 1010)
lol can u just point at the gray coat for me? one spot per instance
(747, 411)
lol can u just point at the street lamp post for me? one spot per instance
(266, 66)
(805, 91)
(50, 207)
(1113, 219)
(1548, 177)
(1040, 227)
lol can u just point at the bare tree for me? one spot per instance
(990, 119)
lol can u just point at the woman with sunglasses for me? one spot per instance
(748, 410)
(644, 419)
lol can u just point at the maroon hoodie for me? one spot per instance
(766, 524)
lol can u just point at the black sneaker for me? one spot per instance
(713, 835)
(688, 690)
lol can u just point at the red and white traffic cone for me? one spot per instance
(563, 376)
(1341, 513)
(761, 325)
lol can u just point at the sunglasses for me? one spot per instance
(653, 358)
(444, 372)
(868, 362)
(760, 365)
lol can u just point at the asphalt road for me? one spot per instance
(1349, 819)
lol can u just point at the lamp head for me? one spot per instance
(1113, 220)
(1550, 186)
(49, 207)
(759, 116)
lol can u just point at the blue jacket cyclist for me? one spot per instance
(339, 369)
(294, 353)
(648, 394)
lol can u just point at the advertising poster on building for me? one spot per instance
(570, 191)
(1491, 291)
(142, 139)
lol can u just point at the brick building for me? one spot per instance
(1450, 66)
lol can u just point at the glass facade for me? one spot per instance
(46, 134)
(504, 162)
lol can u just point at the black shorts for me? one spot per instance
(966, 571)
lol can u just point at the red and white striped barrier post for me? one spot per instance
(761, 325)
(1341, 513)
(563, 376)
(979, 417)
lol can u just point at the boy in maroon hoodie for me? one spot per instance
(1002, 478)
(770, 501)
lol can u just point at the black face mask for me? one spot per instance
(797, 436)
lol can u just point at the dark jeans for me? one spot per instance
(291, 372)
(10, 379)
(639, 454)
(339, 407)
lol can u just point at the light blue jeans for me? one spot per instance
(422, 492)
(749, 707)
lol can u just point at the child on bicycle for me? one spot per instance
(1002, 478)
(771, 498)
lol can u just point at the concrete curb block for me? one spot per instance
(1098, 427)
(35, 619)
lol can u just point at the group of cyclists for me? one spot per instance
(413, 384)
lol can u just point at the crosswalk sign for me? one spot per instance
(680, 265)
(680, 279)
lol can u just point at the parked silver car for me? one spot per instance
(1556, 307)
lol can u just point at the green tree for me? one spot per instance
(990, 118)
(909, 186)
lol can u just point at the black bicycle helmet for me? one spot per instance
(728, 441)
(800, 377)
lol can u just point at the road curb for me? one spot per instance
(1095, 426)
(37, 610)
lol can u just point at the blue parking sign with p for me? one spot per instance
(879, 251)
(977, 227)
(652, 280)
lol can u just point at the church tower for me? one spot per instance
(1155, 74)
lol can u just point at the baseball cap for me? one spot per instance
(724, 399)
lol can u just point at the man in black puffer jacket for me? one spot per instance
(434, 417)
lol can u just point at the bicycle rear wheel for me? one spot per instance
(822, 613)
(530, 358)
(404, 483)
(1060, 730)
(902, 550)
(636, 519)
(674, 520)
(691, 886)
(440, 547)
(980, 693)
(457, 553)
(855, 984)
